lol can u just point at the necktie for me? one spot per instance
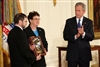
(79, 25)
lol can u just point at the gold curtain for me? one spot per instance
(1, 52)
(10, 8)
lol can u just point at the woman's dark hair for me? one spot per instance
(32, 14)
(19, 16)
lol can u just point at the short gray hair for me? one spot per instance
(81, 4)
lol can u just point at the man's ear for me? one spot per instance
(30, 20)
(84, 11)
(20, 22)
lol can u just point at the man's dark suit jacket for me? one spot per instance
(78, 48)
(20, 53)
(29, 33)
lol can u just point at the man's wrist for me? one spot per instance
(75, 36)
(83, 35)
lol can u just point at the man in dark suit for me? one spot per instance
(78, 32)
(34, 30)
(19, 48)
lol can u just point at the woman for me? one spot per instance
(34, 30)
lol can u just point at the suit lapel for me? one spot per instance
(31, 31)
(39, 31)
(84, 22)
(74, 25)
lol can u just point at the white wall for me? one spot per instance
(53, 21)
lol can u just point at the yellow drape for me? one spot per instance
(18, 6)
(1, 52)
(11, 7)
(10, 2)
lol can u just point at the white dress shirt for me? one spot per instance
(81, 20)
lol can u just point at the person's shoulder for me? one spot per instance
(15, 29)
(87, 19)
(40, 28)
(69, 20)
(27, 28)
(72, 18)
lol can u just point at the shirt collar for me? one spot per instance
(81, 19)
(19, 27)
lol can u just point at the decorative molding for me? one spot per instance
(54, 2)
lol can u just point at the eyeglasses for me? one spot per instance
(36, 19)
